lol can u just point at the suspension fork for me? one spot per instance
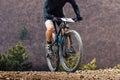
(68, 38)
(71, 42)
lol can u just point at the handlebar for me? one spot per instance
(69, 20)
(62, 19)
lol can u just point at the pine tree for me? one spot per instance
(15, 58)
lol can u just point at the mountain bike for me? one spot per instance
(67, 46)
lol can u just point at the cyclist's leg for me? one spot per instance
(49, 29)
(68, 41)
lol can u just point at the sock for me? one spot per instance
(49, 43)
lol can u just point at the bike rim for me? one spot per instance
(52, 62)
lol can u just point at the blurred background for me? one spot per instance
(99, 29)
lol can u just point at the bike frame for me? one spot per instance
(57, 32)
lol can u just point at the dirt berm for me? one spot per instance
(101, 74)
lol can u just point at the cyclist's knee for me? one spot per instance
(49, 25)
(50, 28)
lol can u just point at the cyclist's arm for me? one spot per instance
(45, 8)
(75, 7)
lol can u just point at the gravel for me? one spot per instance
(101, 74)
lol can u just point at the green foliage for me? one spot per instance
(60, 68)
(15, 58)
(117, 66)
(89, 66)
(23, 33)
(70, 62)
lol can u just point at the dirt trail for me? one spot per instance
(102, 74)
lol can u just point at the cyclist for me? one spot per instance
(55, 8)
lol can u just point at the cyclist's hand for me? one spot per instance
(79, 18)
(55, 19)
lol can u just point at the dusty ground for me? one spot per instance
(102, 74)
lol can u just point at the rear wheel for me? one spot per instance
(53, 59)
(71, 50)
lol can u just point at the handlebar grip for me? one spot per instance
(75, 19)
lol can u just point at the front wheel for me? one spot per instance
(71, 50)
